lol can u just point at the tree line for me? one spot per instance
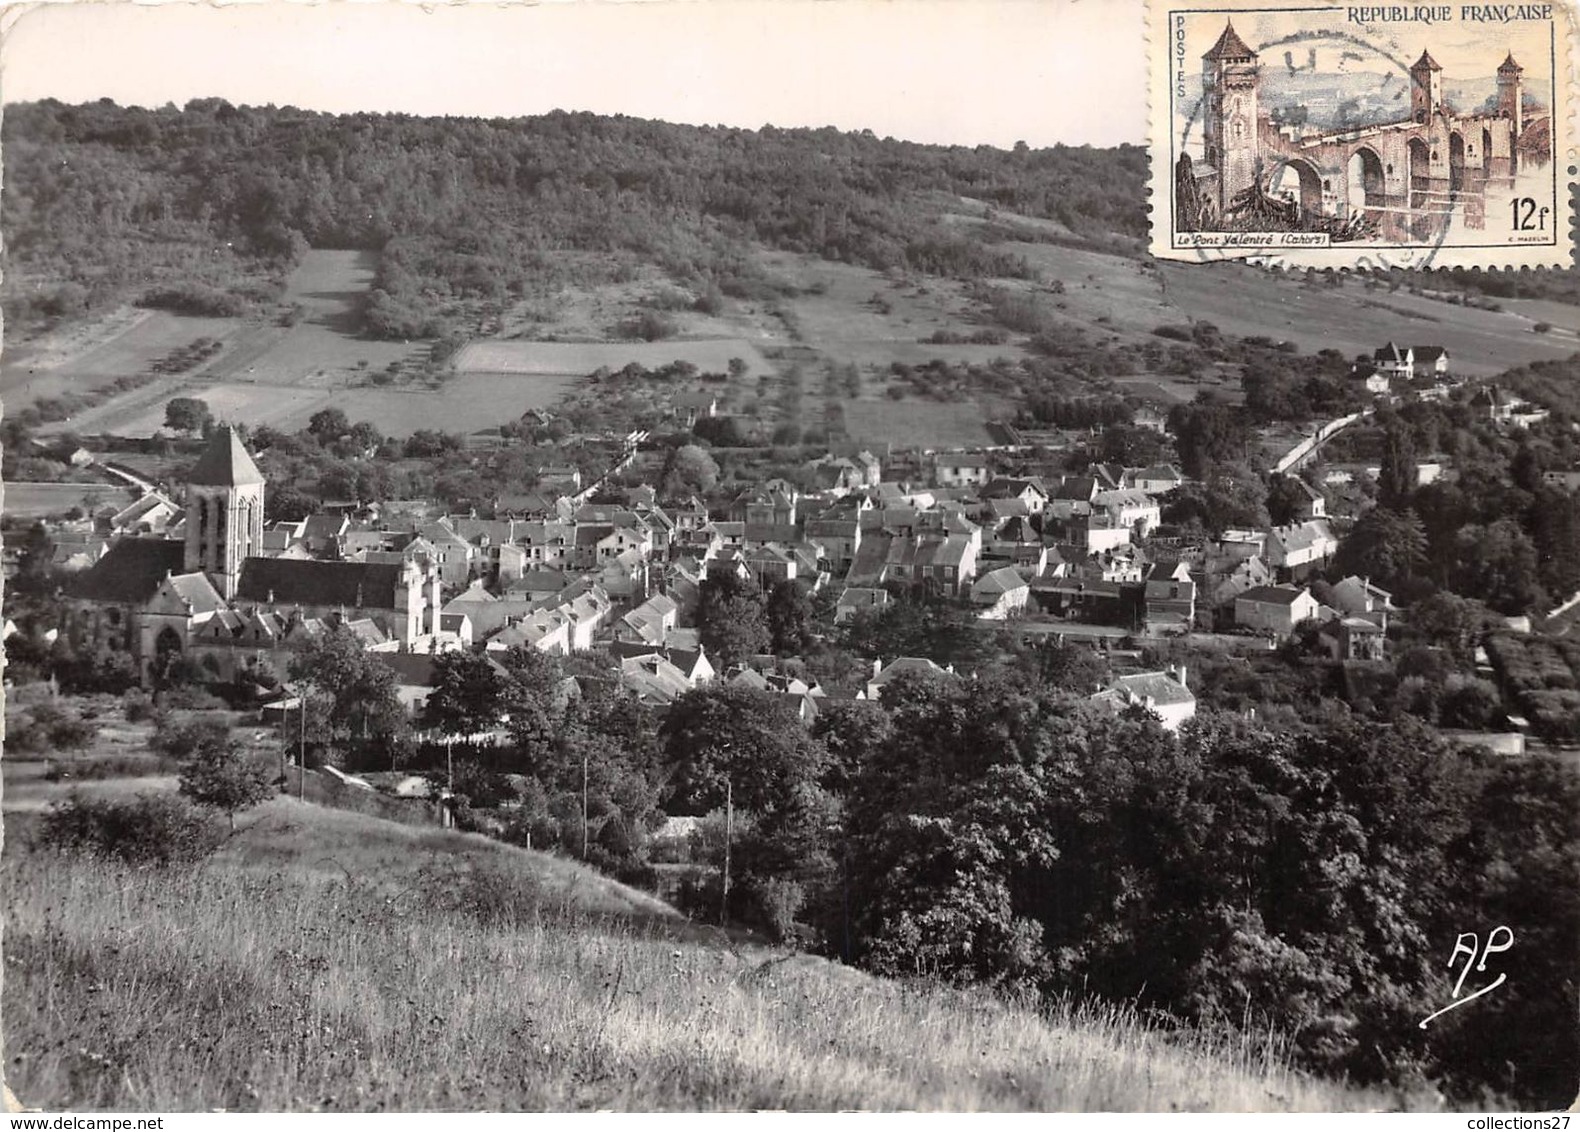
(478, 211)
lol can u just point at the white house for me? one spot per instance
(1131, 507)
(961, 469)
(1275, 609)
(1000, 594)
(1300, 545)
(650, 622)
(1159, 479)
(918, 665)
(1164, 694)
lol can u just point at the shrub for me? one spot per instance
(1542, 327)
(50, 727)
(137, 705)
(649, 326)
(484, 889)
(150, 830)
(131, 765)
(181, 739)
(220, 776)
(778, 901)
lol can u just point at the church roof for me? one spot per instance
(1426, 63)
(283, 581)
(1509, 66)
(1230, 46)
(130, 571)
(197, 591)
(225, 463)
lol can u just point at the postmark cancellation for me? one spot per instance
(1362, 136)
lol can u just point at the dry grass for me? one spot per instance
(919, 424)
(578, 359)
(331, 961)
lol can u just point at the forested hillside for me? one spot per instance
(199, 209)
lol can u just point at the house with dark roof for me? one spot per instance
(857, 600)
(1274, 609)
(1091, 600)
(1073, 496)
(1352, 638)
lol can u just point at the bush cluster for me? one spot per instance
(150, 830)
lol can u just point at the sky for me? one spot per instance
(962, 72)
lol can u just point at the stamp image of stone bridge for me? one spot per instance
(1404, 178)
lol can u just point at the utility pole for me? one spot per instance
(729, 821)
(584, 802)
(301, 747)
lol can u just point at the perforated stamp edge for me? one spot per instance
(1171, 70)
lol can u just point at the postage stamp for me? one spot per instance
(1361, 136)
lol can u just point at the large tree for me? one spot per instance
(468, 693)
(689, 470)
(367, 721)
(732, 620)
(218, 774)
(188, 414)
(731, 739)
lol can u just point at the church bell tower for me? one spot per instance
(224, 519)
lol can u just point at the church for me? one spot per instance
(214, 597)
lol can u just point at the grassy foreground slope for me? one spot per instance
(327, 960)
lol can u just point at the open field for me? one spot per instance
(837, 314)
(851, 314)
(1165, 390)
(36, 500)
(578, 359)
(93, 355)
(1561, 316)
(923, 424)
(1353, 320)
(273, 405)
(330, 961)
(1104, 294)
(285, 371)
(464, 403)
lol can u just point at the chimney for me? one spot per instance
(1179, 674)
(877, 667)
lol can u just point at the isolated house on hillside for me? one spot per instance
(1352, 638)
(689, 408)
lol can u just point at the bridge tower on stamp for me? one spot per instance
(1503, 158)
(1230, 75)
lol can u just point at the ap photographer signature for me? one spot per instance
(1470, 950)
